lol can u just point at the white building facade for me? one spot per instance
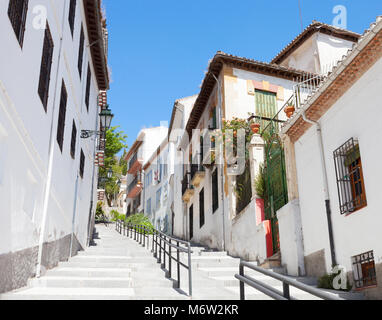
(140, 152)
(235, 87)
(49, 86)
(334, 172)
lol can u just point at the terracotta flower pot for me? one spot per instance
(289, 110)
(255, 127)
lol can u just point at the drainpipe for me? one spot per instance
(50, 157)
(326, 188)
(220, 116)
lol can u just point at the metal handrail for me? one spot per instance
(142, 233)
(272, 292)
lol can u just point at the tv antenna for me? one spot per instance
(299, 7)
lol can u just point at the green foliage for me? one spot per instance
(115, 142)
(115, 215)
(260, 182)
(231, 141)
(326, 282)
(140, 219)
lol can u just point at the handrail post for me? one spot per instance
(242, 292)
(178, 264)
(169, 259)
(160, 248)
(189, 270)
(152, 245)
(156, 244)
(164, 251)
(135, 232)
(144, 237)
(286, 291)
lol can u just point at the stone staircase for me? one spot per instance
(115, 268)
(119, 268)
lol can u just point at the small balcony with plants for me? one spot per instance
(187, 188)
(198, 172)
(134, 164)
(208, 152)
(135, 187)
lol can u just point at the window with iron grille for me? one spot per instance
(364, 270)
(46, 66)
(73, 142)
(350, 183)
(215, 191)
(72, 14)
(148, 207)
(82, 164)
(81, 51)
(61, 116)
(88, 82)
(191, 221)
(17, 13)
(201, 208)
(158, 198)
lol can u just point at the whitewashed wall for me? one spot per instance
(356, 115)
(25, 130)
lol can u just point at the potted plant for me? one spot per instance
(255, 127)
(289, 109)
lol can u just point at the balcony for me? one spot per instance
(134, 188)
(197, 174)
(208, 150)
(187, 189)
(134, 165)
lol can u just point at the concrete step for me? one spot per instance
(89, 272)
(102, 264)
(111, 259)
(81, 282)
(39, 293)
(121, 253)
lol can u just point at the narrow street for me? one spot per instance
(118, 268)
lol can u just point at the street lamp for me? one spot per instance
(105, 117)
(109, 173)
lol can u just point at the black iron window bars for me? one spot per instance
(350, 184)
(364, 270)
(162, 245)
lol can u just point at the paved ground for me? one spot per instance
(119, 268)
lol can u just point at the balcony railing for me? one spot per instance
(134, 164)
(133, 160)
(185, 183)
(187, 188)
(134, 188)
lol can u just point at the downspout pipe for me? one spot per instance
(326, 186)
(220, 116)
(50, 156)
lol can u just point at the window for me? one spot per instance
(364, 270)
(61, 116)
(73, 141)
(81, 51)
(82, 164)
(46, 65)
(191, 222)
(148, 207)
(17, 13)
(215, 191)
(88, 81)
(157, 203)
(350, 183)
(149, 178)
(72, 14)
(201, 208)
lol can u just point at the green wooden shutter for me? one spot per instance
(266, 105)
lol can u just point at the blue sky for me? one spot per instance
(159, 50)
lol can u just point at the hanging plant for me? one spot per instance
(289, 109)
